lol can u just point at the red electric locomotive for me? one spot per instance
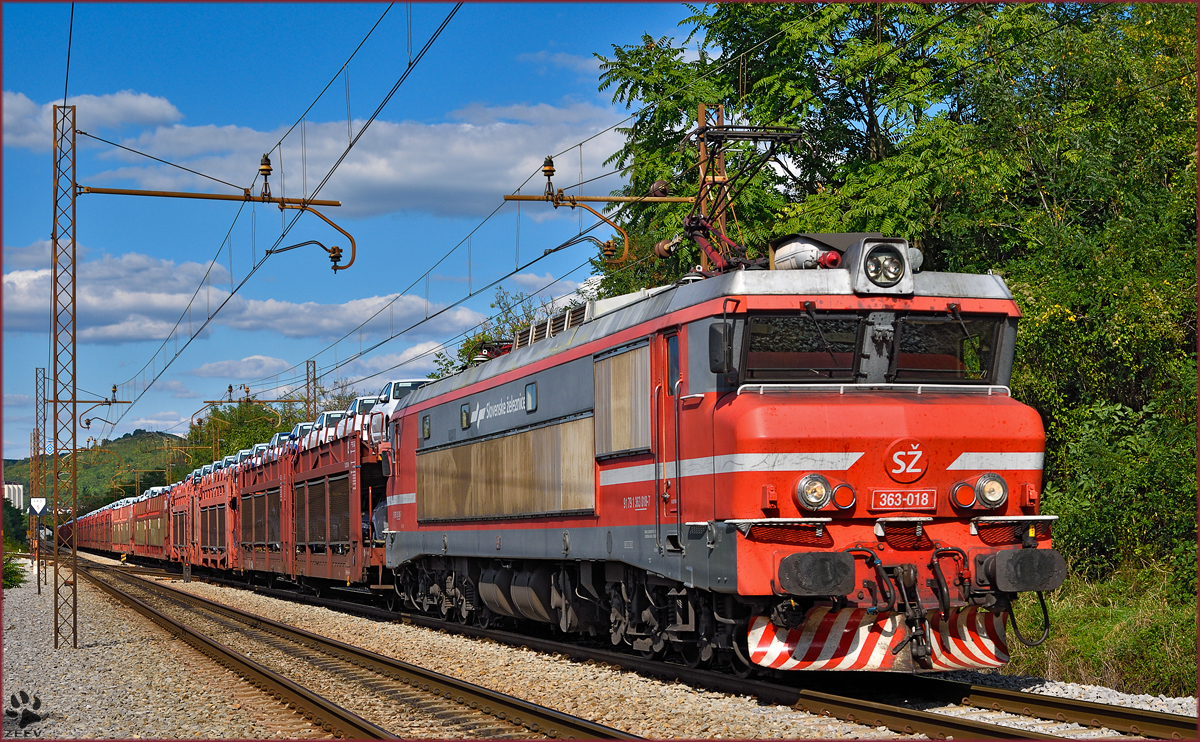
(800, 468)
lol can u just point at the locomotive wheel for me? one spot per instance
(739, 660)
(691, 654)
(483, 618)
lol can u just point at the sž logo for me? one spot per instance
(905, 460)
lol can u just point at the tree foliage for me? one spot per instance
(16, 525)
(112, 469)
(227, 429)
(1052, 144)
(515, 311)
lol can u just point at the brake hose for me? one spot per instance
(885, 585)
(1012, 617)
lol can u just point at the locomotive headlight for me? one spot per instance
(812, 492)
(884, 265)
(991, 490)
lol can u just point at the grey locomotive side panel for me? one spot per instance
(709, 560)
(541, 470)
(561, 391)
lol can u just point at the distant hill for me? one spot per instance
(110, 471)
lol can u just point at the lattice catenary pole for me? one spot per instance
(39, 427)
(310, 390)
(66, 603)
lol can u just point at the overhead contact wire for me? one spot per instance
(287, 227)
(516, 270)
(158, 159)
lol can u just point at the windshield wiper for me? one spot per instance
(953, 309)
(809, 307)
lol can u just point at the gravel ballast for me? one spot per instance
(627, 701)
(128, 679)
(1185, 706)
(602, 693)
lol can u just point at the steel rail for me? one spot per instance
(1154, 724)
(329, 715)
(909, 721)
(513, 710)
(847, 708)
(896, 718)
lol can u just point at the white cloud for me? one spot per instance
(415, 361)
(17, 400)
(310, 319)
(154, 421)
(250, 367)
(545, 286)
(178, 389)
(135, 297)
(583, 65)
(119, 299)
(457, 168)
(36, 255)
(32, 257)
(30, 125)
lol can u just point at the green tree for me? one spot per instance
(242, 424)
(1052, 144)
(516, 311)
(16, 523)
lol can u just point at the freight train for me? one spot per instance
(813, 466)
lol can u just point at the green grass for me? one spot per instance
(14, 576)
(1123, 632)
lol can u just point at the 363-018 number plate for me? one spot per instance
(903, 499)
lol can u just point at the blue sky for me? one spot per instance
(214, 86)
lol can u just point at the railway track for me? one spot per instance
(458, 708)
(853, 699)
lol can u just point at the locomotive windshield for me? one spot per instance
(933, 349)
(910, 348)
(802, 348)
